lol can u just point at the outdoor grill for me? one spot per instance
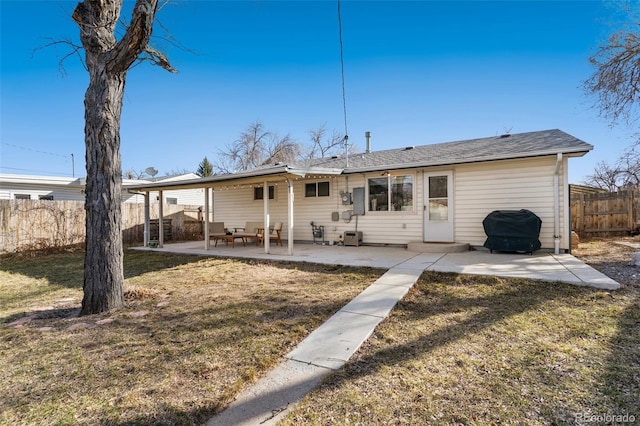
(512, 231)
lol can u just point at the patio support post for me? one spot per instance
(265, 232)
(147, 220)
(207, 244)
(290, 217)
(160, 220)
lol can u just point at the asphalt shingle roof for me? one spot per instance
(531, 144)
(521, 145)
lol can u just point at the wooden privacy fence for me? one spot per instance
(33, 224)
(608, 214)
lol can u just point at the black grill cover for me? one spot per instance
(512, 230)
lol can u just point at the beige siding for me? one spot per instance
(506, 185)
(234, 206)
(391, 227)
(478, 190)
(376, 227)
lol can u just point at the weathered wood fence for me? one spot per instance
(608, 214)
(37, 224)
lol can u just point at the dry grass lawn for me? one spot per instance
(194, 332)
(457, 350)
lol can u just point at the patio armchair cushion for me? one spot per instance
(275, 232)
(249, 230)
(216, 228)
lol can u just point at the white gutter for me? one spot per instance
(556, 205)
(258, 174)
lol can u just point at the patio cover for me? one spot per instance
(262, 175)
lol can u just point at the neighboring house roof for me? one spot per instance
(41, 180)
(171, 178)
(503, 147)
(46, 181)
(522, 145)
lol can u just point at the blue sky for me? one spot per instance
(416, 73)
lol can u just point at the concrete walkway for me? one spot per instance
(326, 349)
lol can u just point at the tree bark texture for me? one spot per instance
(108, 61)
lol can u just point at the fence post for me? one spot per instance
(630, 210)
(580, 214)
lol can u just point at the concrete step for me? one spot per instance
(422, 247)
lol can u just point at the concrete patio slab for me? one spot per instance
(421, 261)
(505, 265)
(586, 274)
(539, 266)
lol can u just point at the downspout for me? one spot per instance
(556, 205)
(290, 200)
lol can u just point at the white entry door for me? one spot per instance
(438, 209)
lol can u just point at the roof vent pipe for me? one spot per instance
(367, 136)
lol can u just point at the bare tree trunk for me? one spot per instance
(103, 266)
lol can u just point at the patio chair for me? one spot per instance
(216, 229)
(249, 230)
(275, 234)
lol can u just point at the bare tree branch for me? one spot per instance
(256, 147)
(157, 58)
(136, 38)
(604, 176)
(322, 146)
(120, 30)
(616, 80)
(75, 51)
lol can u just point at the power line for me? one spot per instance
(35, 150)
(37, 171)
(344, 96)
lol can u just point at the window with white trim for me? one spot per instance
(316, 189)
(391, 193)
